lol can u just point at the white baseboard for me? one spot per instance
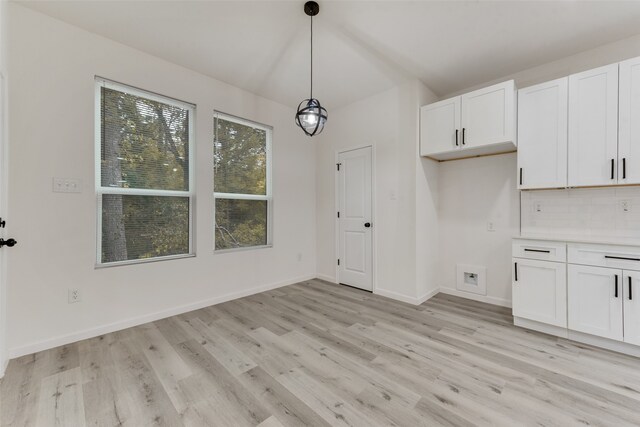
(3, 367)
(135, 321)
(481, 298)
(326, 278)
(405, 298)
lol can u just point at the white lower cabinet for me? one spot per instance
(631, 306)
(595, 301)
(540, 291)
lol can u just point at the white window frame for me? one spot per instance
(101, 82)
(268, 197)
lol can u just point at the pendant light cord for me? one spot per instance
(311, 90)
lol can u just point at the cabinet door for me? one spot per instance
(542, 135)
(440, 127)
(629, 123)
(593, 127)
(595, 301)
(631, 292)
(488, 115)
(540, 291)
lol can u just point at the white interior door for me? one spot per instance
(355, 262)
(3, 207)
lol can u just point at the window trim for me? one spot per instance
(268, 197)
(101, 82)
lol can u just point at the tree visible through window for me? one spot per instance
(242, 186)
(144, 188)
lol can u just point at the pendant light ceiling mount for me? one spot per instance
(311, 116)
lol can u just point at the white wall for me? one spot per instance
(3, 181)
(389, 122)
(53, 66)
(473, 192)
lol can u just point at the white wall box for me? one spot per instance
(542, 135)
(593, 127)
(477, 123)
(629, 125)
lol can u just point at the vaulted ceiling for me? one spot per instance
(360, 47)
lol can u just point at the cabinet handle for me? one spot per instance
(624, 168)
(630, 289)
(621, 257)
(463, 130)
(537, 250)
(520, 176)
(457, 138)
(516, 271)
(612, 167)
(616, 290)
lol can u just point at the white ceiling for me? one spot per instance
(360, 47)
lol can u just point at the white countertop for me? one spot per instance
(581, 239)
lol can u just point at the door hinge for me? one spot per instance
(338, 214)
(338, 166)
(338, 261)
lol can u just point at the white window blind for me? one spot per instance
(144, 178)
(242, 183)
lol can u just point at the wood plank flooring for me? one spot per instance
(318, 354)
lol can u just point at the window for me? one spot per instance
(241, 183)
(144, 179)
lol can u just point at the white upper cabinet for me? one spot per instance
(629, 123)
(440, 127)
(477, 123)
(488, 115)
(593, 127)
(542, 135)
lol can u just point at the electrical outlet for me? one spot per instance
(537, 207)
(625, 205)
(491, 226)
(74, 295)
(67, 185)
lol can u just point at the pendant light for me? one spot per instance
(311, 116)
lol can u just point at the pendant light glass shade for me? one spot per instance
(311, 116)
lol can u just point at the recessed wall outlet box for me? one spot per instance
(67, 185)
(471, 278)
(74, 296)
(625, 205)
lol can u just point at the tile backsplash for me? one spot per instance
(589, 212)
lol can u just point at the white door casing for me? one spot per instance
(355, 240)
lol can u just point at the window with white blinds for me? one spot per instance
(144, 178)
(241, 183)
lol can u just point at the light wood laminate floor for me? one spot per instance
(319, 354)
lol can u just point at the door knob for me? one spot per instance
(8, 242)
(367, 224)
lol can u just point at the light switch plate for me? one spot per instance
(67, 185)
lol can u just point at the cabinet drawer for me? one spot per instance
(540, 249)
(621, 257)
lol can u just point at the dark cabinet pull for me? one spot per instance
(621, 257)
(612, 167)
(616, 290)
(630, 289)
(457, 138)
(537, 250)
(463, 129)
(516, 271)
(520, 176)
(624, 168)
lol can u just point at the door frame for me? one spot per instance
(336, 207)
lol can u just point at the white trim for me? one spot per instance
(618, 346)
(143, 260)
(153, 96)
(240, 196)
(143, 192)
(3, 367)
(327, 278)
(481, 298)
(135, 321)
(406, 298)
